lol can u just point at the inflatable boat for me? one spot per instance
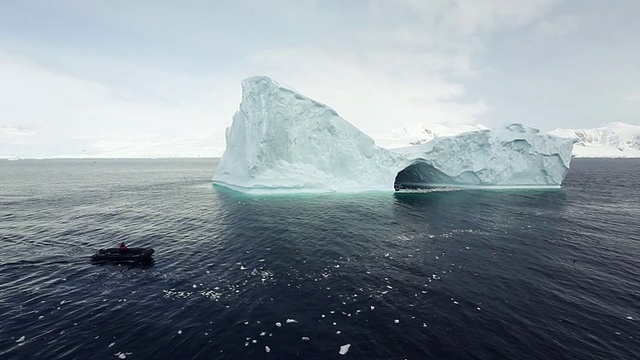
(126, 255)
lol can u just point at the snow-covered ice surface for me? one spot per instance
(612, 140)
(282, 141)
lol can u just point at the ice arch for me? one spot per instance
(282, 141)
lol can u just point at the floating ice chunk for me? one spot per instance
(291, 321)
(278, 324)
(396, 321)
(263, 333)
(179, 332)
(304, 338)
(110, 345)
(373, 307)
(338, 332)
(267, 349)
(629, 318)
(344, 349)
(280, 139)
(21, 339)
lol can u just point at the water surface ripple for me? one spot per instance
(506, 274)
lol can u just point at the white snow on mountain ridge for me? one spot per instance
(612, 140)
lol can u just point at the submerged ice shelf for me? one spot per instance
(282, 141)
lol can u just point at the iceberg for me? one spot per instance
(283, 141)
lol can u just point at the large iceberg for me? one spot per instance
(280, 140)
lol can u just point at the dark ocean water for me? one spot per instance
(551, 274)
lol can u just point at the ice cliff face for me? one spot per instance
(282, 140)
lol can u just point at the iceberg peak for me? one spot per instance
(280, 139)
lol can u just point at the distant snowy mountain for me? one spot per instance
(612, 140)
(419, 133)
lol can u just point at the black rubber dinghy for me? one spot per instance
(116, 255)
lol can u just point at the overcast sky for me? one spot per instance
(163, 77)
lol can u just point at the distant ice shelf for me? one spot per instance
(282, 141)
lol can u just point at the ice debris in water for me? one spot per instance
(267, 349)
(278, 324)
(179, 332)
(396, 321)
(305, 338)
(291, 321)
(344, 349)
(20, 340)
(629, 318)
(110, 345)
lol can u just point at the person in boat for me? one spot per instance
(122, 247)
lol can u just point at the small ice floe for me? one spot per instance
(242, 267)
(195, 286)
(278, 324)
(338, 332)
(113, 343)
(424, 325)
(246, 323)
(291, 321)
(305, 338)
(396, 321)
(344, 349)
(332, 311)
(267, 349)
(373, 307)
(263, 333)
(322, 315)
(455, 302)
(179, 332)
(20, 340)
(466, 247)
(254, 341)
(629, 318)
(40, 317)
(478, 308)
